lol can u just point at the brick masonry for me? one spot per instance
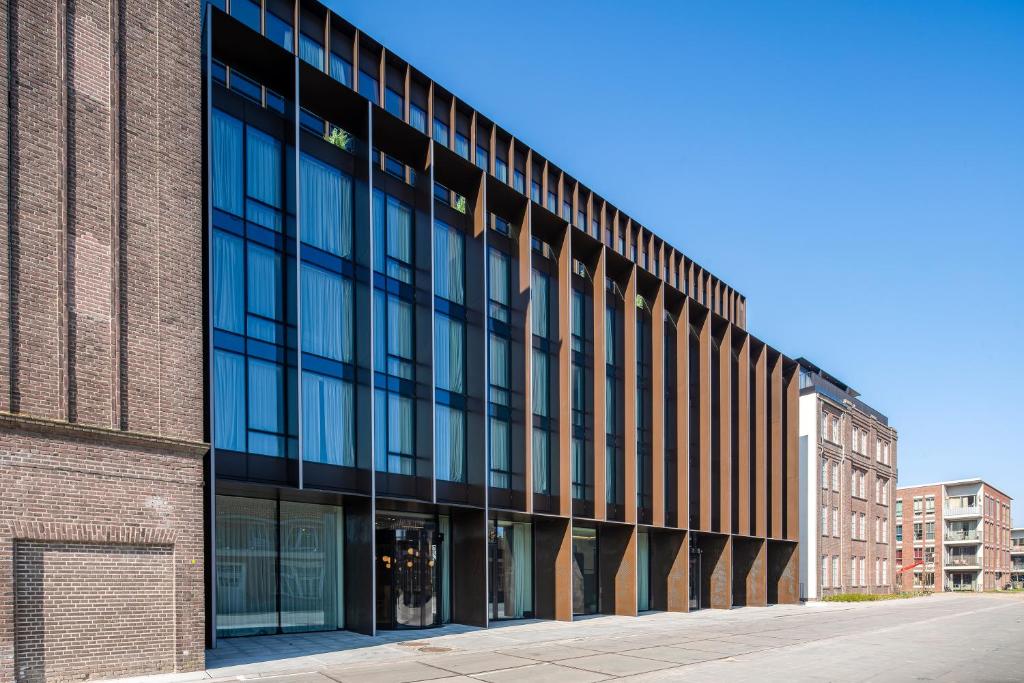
(101, 347)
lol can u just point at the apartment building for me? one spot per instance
(297, 340)
(847, 489)
(1017, 558)
(953, 536)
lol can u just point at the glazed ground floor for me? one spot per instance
(285, 561)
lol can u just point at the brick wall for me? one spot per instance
(101, 347)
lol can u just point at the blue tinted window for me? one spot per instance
(310, 50)
(369, 87)
(341, 69)
(483, 159)
(279, 30)
(392, 221)
(394, 103)
(417, 118)
(552, 202)
(566, 211)
(519, 181)
(501, 170)
(449, 263)
(441, 132)
(328, 422)
(462, 145)
(535, 191)
(247, 12)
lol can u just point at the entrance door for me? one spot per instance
(407, 576)
(695, 579)
(584, 571)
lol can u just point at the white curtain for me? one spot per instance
(326, 420)
(449, 354)
(265, 384)
(229, 400)
(312, 567)
(263, 177)
(326, 207)
(450, 443)
(399, 239)
(326, 314)
(400, 433)
(498, 272)
(379, 233)
(609, 336)
(541, 460)
(449, 263)
(499, 362)
(263, 283)
(541, 303)
(499, 453)
(400, 335)
(522, 569)
(311, 51)
(229, 283)
(541, 383)
(227, 163)
(246, 566)
(643, 572)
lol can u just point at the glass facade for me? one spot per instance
(279, 567)
(371, 334)
(510, 560)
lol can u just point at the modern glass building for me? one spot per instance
(446, 381)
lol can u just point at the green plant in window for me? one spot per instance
(340, 139)
(460, 203)
(641, 302)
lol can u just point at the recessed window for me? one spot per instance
(441, 132)
(483, 159)
(369, 87)
(394, 103)
(501, 170)
(417, 118)
(462, 145)
(519, 181)
(341, 69)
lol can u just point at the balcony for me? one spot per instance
(962, 562)
(964, 536)
(965, 587)
(961, 511)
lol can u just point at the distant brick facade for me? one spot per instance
(101, 347)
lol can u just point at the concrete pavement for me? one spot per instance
(942, 637)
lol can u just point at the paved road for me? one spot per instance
(945, 637)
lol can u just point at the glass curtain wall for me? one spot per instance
(614, 407)
(326, 291)
(511, 568)
(394, 336)
(499, 342)
(449, 353)
(644, 444)
(540, 297)
(581, 323)
(279, 567)
(671, 424)
(252, 215)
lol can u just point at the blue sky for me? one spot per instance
(856, 169)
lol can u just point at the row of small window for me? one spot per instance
(922, 531)
(925, 504)
(857, 524)
(830, 569)
(924, 554)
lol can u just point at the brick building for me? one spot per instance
(847, 488)
(295, 339)
(953, 536)
(101, 342)
(1017, 558)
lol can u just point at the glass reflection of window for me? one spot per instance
(327, 326)
(540, 298)
(579, 340)
(248, 294)
(394, 336)
(499, 275)
(279, 30)
(449, 353)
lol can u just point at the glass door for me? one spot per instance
(694, 579)
(407, 573)
(584, 571)
(510, 564)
